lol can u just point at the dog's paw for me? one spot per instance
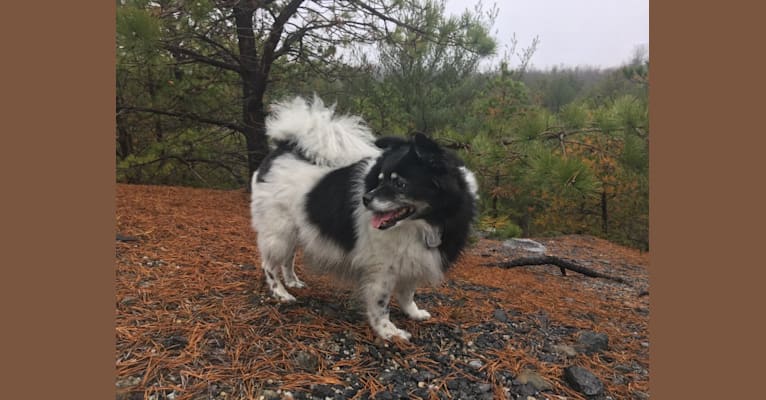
(401, 333)
(420, 315)
(296, 284)
(388, 330)
(396, 332)
(283, 295)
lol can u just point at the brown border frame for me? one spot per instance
(58, 199)
(58, 170)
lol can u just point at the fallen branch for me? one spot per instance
(551, 260)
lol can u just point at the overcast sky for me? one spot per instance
(602, 33)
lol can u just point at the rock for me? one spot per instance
(500, 315)
(526, 245)
(125, 238)
(128, 382)
(175, 342)
(426, 376)
(270, 395)
(583, 381)
(525, 390)
(323, 391)
(484, 387)
(637, 394)
(592, 342)
(475, 364)
(565, 349)
(305, 361)
(128, 301)
(384, 396)
(527, 376)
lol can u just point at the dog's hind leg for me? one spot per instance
(377, 294)
(276, 250)
(404, 296)
(288, 273)
(275, 284)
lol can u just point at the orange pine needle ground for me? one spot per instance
(193, 318)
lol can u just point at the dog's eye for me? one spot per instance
(399, 184)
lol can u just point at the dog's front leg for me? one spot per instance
(377, 295)
(404, 296)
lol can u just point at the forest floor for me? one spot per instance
(195, 321)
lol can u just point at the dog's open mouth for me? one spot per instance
(385, 220)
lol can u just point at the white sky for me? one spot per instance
(599, 33)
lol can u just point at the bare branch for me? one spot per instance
(188, 116)
(277, 28)
(189, 162)
(559, 262)
(202, 58)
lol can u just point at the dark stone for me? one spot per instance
(583, 381)
(489, 340)
(421, 392)
(270, 395)
(388, 377)
(525, 390)
(500, 315)
(323, 391)
(592, 342)
(484, 387)
(175, 342)
(640, 395)
(426, 376)
(384, 396)
(306, 361)
(128, 301)
(124, 238)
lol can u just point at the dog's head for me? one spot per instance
(412, 179)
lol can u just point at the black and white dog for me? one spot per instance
(387, 215)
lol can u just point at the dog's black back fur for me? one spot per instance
(282, 147)
(329, 206)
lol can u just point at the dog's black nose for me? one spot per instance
(366, 199)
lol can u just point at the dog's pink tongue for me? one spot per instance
(379, 219)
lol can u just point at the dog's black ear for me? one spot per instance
(428, 151)
(389, 142)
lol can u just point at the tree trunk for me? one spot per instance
(124, 141)
(253, 89)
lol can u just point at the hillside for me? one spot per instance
(194, 320)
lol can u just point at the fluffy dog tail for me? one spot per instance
(322, 137)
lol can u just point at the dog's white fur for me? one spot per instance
(382, 263)
(328, 139)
